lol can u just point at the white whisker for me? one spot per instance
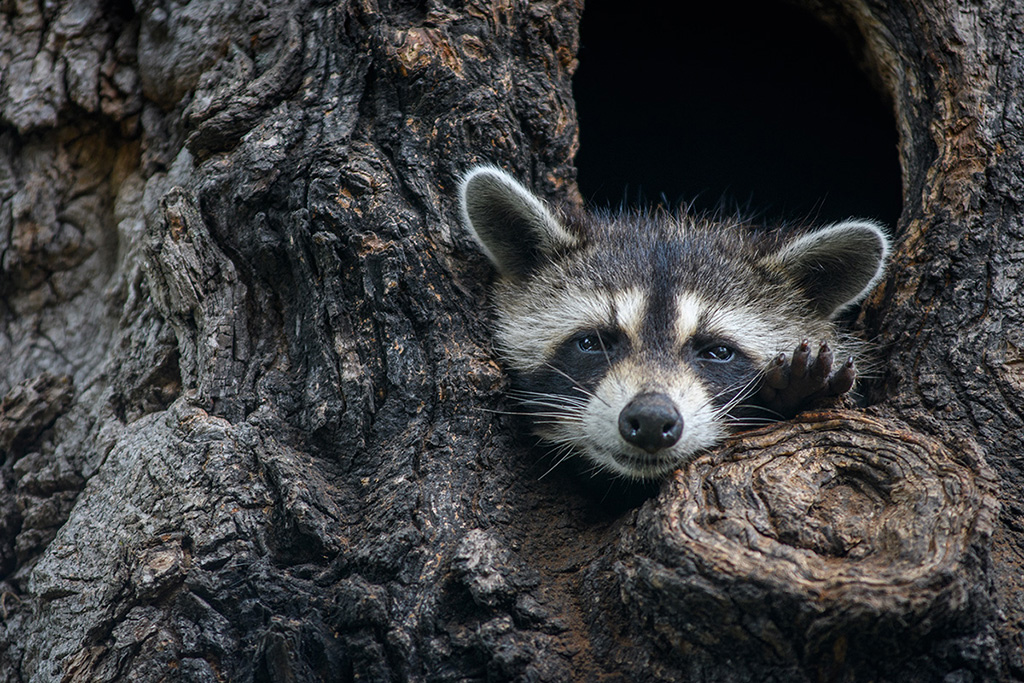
(576, 385)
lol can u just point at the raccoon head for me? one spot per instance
(637, 340)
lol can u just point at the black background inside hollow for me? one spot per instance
(738, 104)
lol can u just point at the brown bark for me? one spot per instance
(247, 431)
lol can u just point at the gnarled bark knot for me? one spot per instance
(809, 537)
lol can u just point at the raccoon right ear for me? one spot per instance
(838, 265)
(514, 227)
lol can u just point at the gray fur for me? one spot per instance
(664, 285)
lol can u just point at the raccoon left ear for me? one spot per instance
(836, 266)
(514, 227)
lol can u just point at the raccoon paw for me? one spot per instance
(789, 385)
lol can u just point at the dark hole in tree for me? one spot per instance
(744, 105)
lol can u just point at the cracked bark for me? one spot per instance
(246, 430)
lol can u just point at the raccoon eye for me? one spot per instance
(719, 353)
(594, 342)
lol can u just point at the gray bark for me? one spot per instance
(247, 430)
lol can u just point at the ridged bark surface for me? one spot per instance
(248, 427)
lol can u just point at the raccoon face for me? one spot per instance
(638, 341)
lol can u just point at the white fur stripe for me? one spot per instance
(751, 330)
(630, 309)
(542, 326)
(688, 311)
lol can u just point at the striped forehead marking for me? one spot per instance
(629, 307)
(689, 309)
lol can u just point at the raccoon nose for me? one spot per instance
(651, 422)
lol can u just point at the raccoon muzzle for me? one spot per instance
(651, 422)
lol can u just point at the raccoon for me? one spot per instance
(639, 340)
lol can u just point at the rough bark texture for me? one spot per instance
(245, 430)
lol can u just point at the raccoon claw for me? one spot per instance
(776, 377)
(842, 381)
(789, 386)
(801, 360)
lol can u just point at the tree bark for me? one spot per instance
(248, 430)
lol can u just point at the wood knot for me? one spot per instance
(834, 528)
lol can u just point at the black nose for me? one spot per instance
(651, 422)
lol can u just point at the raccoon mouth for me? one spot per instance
(645, 464)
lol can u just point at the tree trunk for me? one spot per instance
(248, 430)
